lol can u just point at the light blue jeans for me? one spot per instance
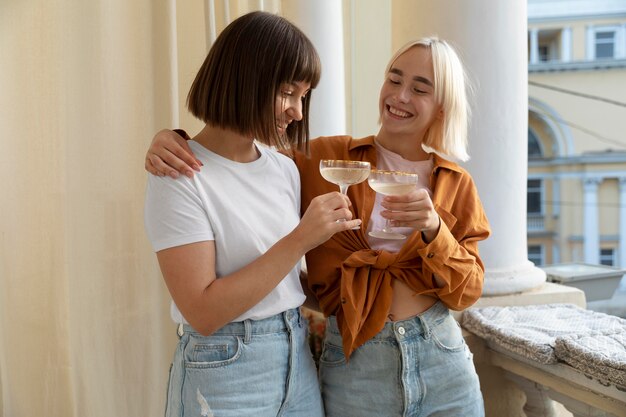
(419, 367)
(250, 368)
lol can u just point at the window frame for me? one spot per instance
(614, 42)
(541, 255)
(540, 190)
(610, 257)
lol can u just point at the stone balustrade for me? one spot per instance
(553, 352)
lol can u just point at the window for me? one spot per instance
(544, 53)
(605, 44)
(535, 254)
(534, 147)
(607, 257)
(535, 196)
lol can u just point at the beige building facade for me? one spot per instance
(577, 132)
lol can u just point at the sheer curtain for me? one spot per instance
(84, 325)
(84, 314)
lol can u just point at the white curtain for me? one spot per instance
(84, 325)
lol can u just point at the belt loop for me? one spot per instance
(247, 331)
(425, 327)
(290, 319)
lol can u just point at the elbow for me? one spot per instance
(205, 329)
(461, 302)
(203, 325)
(466, 302)
(465, 295)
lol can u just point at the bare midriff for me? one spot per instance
(405, 304)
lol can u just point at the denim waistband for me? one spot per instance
(415, 326)
(277, 323)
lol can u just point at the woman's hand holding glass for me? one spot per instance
(414, 209)
(344, 174)
(404, 205)
(391, 183)
(326, 215)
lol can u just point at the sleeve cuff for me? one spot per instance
(182, 133)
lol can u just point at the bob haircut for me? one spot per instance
(446, 136)
(238, 84)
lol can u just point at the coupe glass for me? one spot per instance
(344, 173)
(391, 183)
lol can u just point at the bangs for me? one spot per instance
(308, 68)
(305, 65)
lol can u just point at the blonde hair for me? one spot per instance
(447, 136)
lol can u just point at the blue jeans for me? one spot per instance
(417, 367)
(250, 368)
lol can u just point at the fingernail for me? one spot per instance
(189, 174)
(196, 167)
(174, 174)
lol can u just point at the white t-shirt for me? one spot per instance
(244, 207)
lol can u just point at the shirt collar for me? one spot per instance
(439, 162)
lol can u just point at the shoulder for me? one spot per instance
(454, 182)
(325, 144)
(339, 146)
(278, 158)
(168, 189)
(451, 168)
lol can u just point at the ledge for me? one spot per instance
(548, 293)
(566, 384)
(599, 64)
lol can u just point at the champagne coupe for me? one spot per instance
(344, 174)
(391, 183)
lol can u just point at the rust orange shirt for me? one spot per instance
(353, 282)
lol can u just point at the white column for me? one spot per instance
(590, 47)
(566, 44)
(211, 26)
(556, 215)
(534, 46)
(621, 257)
(620, 42)
(556, 192)
(322, 21)
(591, 235)
(369, 51)
(491, 37)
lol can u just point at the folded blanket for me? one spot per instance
(601, 355)
(531, 331)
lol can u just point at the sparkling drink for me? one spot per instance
(391, 183)
(391, 189)
(350, 176)
(344, 173)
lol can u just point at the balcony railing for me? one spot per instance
(535, 223)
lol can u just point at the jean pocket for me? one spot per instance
(212, 351)
(332, 355)
(447, 335)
